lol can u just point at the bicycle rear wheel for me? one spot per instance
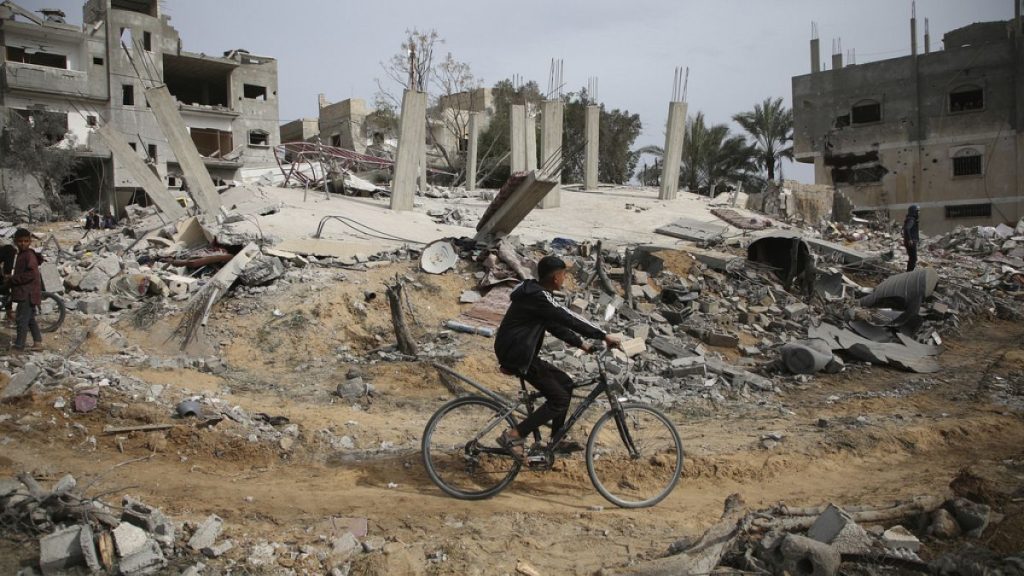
(460, 451)
(634, 456)
(51, 312)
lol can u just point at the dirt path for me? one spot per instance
(867, 436)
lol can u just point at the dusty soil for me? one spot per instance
(866, 436)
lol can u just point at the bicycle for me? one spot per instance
(50, 314)
(634, 455)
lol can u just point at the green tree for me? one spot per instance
(30, 148)
(770, 124)
(617, 131)
(494, 145)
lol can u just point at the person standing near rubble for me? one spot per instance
(534, 311)
(26, 290)
(911, 235)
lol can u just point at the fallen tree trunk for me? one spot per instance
(702, 556)
(406, 344)
(918, 505)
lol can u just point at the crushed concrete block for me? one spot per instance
(899, 538)
(579, 306)
(217, 550)
(650, 292)
(148, 560)
(640, 277)
(129, 539)
(63, 549)
(634, 346)
(837, 528)
(710, 307)
(95, 280)
(261, 270)
(74, 279)
(96, 305)
(796, 311)
(343, 546)
(65, 484)
(21, 382)
(352, 388)
(52, 282)
(149, 519)
(206, 533)
(181, 285)
(640, 331)
(721, 340)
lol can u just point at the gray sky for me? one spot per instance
(739, 51)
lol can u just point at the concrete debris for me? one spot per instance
(206, 533)
(21, 382)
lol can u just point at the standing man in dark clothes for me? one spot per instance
(911, 235)
(534, 311)
(26, 289)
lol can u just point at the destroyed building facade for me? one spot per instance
(97, 73)
(942, 129)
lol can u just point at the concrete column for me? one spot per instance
(552, 113)
(815, 55)
(421, 163)
(531, 142)
(517, 137)
(411, 136)
(913, 36)
(593, 130)
(165, 108)
(675, 136)
(474, 137)
(837, 61)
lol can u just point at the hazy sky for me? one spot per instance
(739, 51)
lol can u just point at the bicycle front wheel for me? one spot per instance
(634, 456)
(51, 312)
(461, 452)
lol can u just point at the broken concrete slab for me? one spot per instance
(899, 538)
(512, 205)
(148, 560)
(129, 159)
(52, 282)
(129, 539)
(693, 230)
(838, 529)
(21, 382)
(206, 533)
(63, 549)
(165, 109)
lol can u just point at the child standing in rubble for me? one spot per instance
(26, 290)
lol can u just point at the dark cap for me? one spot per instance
(548, 265)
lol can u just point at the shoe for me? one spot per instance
(37, 347)
(567, 446)
(514, 446)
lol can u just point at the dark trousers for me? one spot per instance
(911, 256)
(556, 386)
(26, 317)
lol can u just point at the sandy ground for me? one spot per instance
(889, 436)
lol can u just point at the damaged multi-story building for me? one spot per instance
(97, 73)
(941, 129)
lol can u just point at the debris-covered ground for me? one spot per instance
(222, 400)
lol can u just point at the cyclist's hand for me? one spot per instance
(612, 341)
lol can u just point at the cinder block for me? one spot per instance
(634, 346)
(129, 539)
(207, 532)
(63, 549)
(149, 560)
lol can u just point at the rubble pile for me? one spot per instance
(77, 532)
(828, 540)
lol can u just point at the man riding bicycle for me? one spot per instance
(534, 311)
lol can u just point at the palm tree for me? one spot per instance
(712, 156)
(771, 126)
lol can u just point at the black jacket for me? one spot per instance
(911, 232)
(534, 311)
